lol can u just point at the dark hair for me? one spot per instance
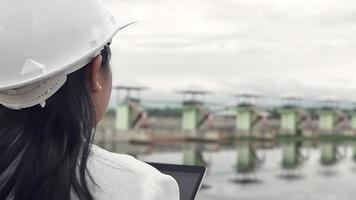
(44, 151)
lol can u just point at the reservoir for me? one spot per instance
(251, 170)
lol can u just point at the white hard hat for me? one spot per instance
(42, 41)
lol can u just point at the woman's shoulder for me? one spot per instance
(121, 162)
(120, 176)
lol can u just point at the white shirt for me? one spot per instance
(122, 177)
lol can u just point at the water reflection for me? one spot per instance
(262, 166)
(194, 157)
(248, 161)
(354, 152)
(330, 155)
(292, 160)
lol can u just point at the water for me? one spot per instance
(250, 170)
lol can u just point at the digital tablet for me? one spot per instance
(189, 178)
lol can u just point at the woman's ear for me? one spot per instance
(93, 74)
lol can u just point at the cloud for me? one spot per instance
(273, 46)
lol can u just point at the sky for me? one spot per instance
(274, 48)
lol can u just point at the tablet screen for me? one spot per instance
(189, 178)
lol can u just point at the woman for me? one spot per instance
(55, 84)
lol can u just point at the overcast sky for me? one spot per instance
(273, 47)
